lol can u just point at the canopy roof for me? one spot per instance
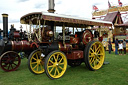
(123, 25)
(60, 19)
(114, 17)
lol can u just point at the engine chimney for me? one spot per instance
(51, 6)
(5, 25)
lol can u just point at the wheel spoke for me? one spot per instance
(35, 66)
(14, 64)
(60, 67)
(61, 63)
(4, 65)
(37, 56)
(50, 66)
(97, 60)
(94, 63)
(60, 60)
(98, 51)
(91, 60)
(92, 50)
(98, 47)
(8, 66)
(51, 70)
(34, 58)
(41, 66)
(100, 63)
(33, 62)
(51, 61)
(57, 56)
(100, 54)
(98, 57)
(55, 72)
(11, 66)
(54, 58)
(91, 55)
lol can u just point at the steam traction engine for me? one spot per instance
(13, 42)
(54, 51)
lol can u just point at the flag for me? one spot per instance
(95, 8)
(109, 5)
(120, 3)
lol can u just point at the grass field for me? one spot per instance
(114, 73)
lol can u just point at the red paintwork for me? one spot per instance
(16, 34)
(100, 39)
(87, 37)
(77, 54)
(34, 44)
(65, 47)
(74, 40)
(20, 45)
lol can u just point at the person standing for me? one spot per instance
(109, 46)
(120, 48)
(116, 46)
(124, 46)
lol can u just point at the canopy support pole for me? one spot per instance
(63, 28)
(73, 29)
(55, 31)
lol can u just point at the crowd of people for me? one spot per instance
(119, 46)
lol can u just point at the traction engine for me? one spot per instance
(54, 54)
(12, 43)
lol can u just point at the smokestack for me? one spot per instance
(5, 25)
(51, 6)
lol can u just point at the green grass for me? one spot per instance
(114, 73)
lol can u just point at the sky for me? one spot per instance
(79, 8)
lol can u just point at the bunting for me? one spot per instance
(95, 8)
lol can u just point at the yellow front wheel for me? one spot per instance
(55, 64)
(94, 55)
(36, 62)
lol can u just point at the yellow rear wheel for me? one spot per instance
(55, 64)
(94, 55)
(36, 62)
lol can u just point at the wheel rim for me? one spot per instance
(37, 63)
(87, 36)
(57, 64)
(10, 61)
(96, 55)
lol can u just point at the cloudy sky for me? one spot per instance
(80, 8)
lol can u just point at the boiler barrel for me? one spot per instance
(15, 46)
(20, 45)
